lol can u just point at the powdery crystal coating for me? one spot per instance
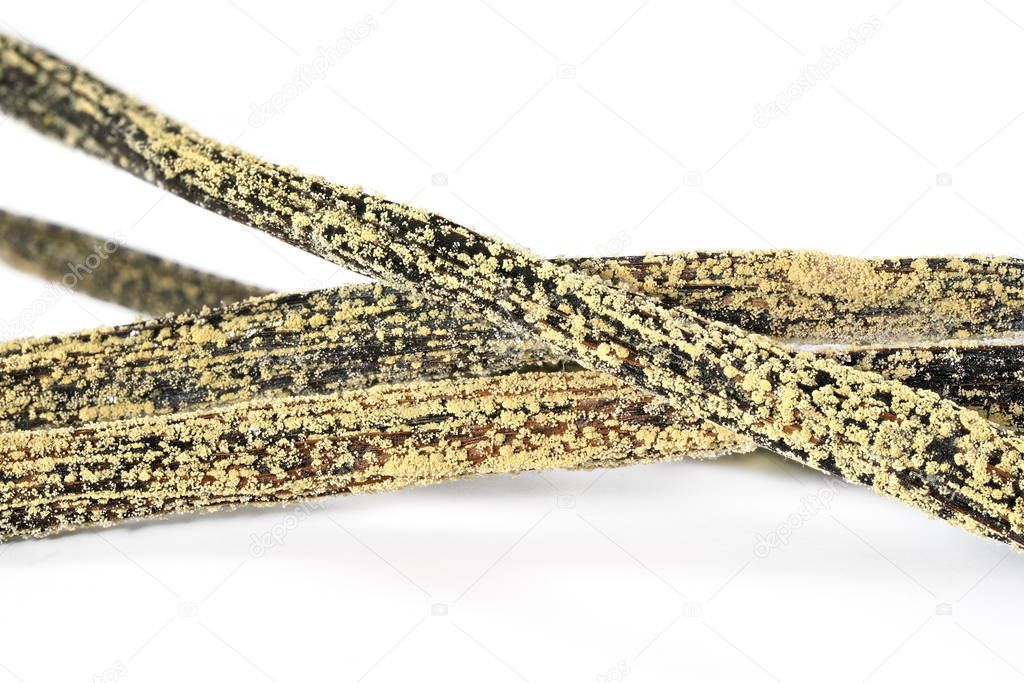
(905, 442)
(108, 270)
(579, 421)
(357, 336)
(364, 440)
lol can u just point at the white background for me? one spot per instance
(648, 573)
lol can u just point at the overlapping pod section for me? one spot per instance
(541, 364)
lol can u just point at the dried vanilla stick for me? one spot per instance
(281, 449)
(806, 297)
(102, 473)
(108, 270)
(593, 424)
(387, 437)
(328, 341)
(907, 443)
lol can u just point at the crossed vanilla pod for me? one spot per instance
(905, 441)
(266, 450)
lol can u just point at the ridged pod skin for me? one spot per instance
(906, 442)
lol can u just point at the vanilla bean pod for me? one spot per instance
(331, 340)
(89, 476)
(772, 292)
(808, 297)
(362, 440)
(281, 449)
(904, 442)
(387, 437)
(108, 270)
